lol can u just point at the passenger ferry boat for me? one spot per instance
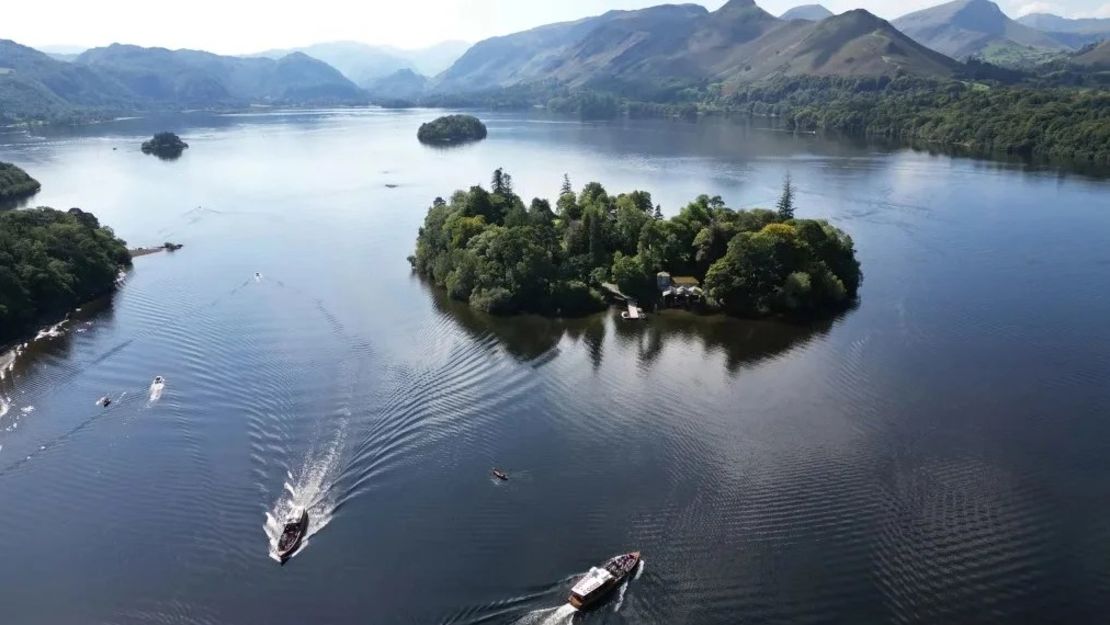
(599, 581)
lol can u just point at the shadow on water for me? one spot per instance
(743, 342)
(535, 339)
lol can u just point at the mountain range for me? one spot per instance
(34, 85)
(649, 51)
(365, 64)
(1074, 32)
(978, 28)
(650, 54)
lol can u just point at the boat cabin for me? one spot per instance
(592, 581)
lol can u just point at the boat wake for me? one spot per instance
(561, 615)
(308, 489)
(624, 586)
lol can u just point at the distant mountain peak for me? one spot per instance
(807, 12)
(966, 28)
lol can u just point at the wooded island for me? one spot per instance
(489, 249)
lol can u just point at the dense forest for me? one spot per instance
(452, 129)
(1058, 123)
(51, 262)
(15, 184)
(164, 145)
(489, 249)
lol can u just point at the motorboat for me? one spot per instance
(104, 401)
(292, 535)
(601, 580)
(501, 475)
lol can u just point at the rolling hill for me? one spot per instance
(364, 64)
(808, 12)
(402, 85)
(1074, 32)
(35, 86)
(1095, 57)
(659, 50)
(194, 78)
(120, 79)
(978, 28)
(532, 55)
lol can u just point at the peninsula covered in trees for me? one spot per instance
(165, 145)
(452, 129)
(15, 184)
(488, 248)
(51, 262)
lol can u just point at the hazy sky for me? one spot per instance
(239, 26)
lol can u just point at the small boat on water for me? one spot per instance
(600, 581)
(501, 475)
(292, 535)
(104, 401)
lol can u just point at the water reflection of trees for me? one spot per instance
(742, 342)
(59, 348)
(531, 338)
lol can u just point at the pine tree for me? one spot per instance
(502, 182)
(658, 212)
(566, 188)
(786, 200)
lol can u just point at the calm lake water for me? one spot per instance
(939, 454)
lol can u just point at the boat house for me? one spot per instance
(678, 290)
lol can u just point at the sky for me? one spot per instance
(244, 26)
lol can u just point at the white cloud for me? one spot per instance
(1102, 11)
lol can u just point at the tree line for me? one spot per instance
(1055, 123)
(51, 262)
(1062, 115)
(488, 248)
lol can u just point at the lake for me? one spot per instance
(938, 454)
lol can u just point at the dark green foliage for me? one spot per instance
(1059, 123)
(452, 129)
(15, 184)
(50, 262)
(798, 267)
(487, 249)
(164, 145)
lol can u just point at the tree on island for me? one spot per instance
(51, 262)
(165, 145)
(16, 184)
(452, 129)
(490, 250)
